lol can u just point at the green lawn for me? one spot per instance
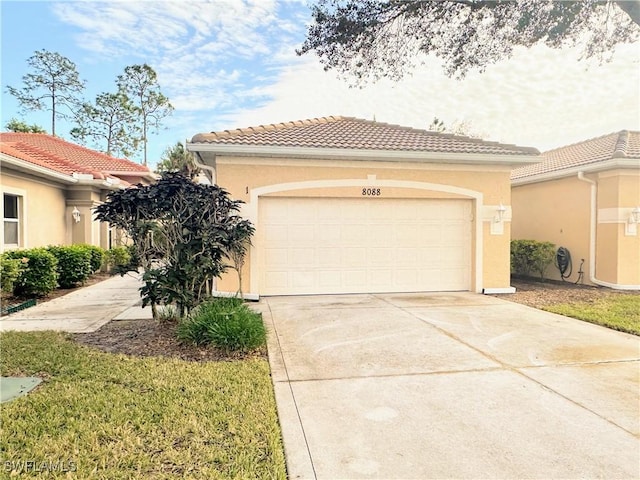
(620, 312)
(121, 417)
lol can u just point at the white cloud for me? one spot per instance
(232, 63)
(541, 97)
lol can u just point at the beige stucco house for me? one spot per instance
(49, 187)
(586, 198)
(343, 205)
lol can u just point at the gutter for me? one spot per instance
(592, 240)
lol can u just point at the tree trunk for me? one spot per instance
(53, 112)
(144, 140)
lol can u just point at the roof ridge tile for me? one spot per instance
(620, 150)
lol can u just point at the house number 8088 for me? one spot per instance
(371, 192)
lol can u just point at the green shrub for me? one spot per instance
(97, 256)
(226, 323)
(529, 256)
(118, 259)
(40, 275)
(10, 271)
(74, 264)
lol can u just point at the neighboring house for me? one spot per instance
(343, 205)
(586, 198)
(49, 187)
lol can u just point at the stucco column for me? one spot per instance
(86, 230)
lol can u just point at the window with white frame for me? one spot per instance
(11, 219)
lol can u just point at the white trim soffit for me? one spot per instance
(364, 154)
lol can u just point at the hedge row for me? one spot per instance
(39, 271)
(531, 256)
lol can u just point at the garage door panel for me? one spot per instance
(379, 235)
(379, 277)
(316, 245)
(298, 211)
(455, 256)
(406, 277)
(276, 280)
(302, 234)
(354, 234)
(329, 234)
(354, 257)
(328, 279)
(355, 278)
(276, 234)
(381, 257)
(302, 257)
(301, 281)
(277, 257)
(449, 277)
(407, 257)
(329, 257)
(350, 211)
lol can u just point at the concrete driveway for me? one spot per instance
(450, 386)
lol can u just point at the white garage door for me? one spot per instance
(319, 245)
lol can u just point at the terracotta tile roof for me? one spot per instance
(623, 144)
(65, 157)
(355, 133)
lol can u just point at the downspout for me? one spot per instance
(200, 164)
(592, 233)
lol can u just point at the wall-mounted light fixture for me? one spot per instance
(497, 216)
(75, 213)
(631, 226)
(500, 213)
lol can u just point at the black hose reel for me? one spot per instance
(564, 265)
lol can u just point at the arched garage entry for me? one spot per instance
(330, 244)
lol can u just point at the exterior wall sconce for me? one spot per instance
(631, 226)
(497, 219)
(75, 213)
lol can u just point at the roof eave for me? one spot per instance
(570, 172)
(365, 154)
(37, 170)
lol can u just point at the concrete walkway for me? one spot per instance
(84, 310)
(450, 386)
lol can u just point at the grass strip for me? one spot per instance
(115, 416)
(620, 312)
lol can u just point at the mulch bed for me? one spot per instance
(149, 338)
(538, 294)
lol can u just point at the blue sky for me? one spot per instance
(231, 63)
